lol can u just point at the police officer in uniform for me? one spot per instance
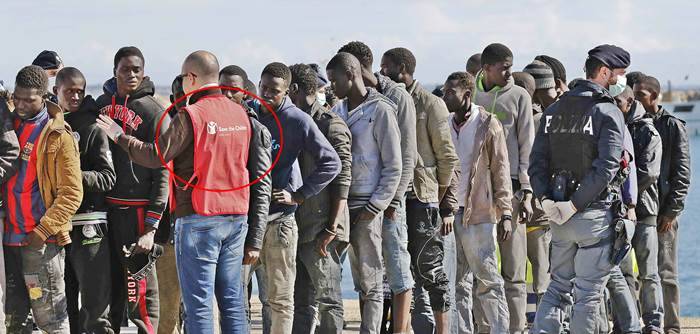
(574, 165)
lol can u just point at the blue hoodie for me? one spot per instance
(301, 136)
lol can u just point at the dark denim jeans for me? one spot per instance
(209, 252)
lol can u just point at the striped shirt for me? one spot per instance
(23, 200)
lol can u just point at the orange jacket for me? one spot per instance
(59, 175)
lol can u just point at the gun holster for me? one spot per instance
(624, 231)
(563, 184)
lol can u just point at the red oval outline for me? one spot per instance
(194, 186)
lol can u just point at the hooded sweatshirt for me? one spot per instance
(138, 114)
(376, 151)
(513, 107)
(406, 117)
(95, 162)
(301, 134)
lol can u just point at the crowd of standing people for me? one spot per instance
(121, 207)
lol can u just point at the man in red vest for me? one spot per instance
(208, 142)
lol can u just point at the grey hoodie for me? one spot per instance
(513, 107)
(376, 151)
(406, 117)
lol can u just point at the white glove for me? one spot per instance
(112, 129)
(558, 212)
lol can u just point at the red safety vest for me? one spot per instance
(221, 139)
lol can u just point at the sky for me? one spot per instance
(662, 36)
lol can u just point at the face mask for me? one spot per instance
(321, 98)
(52, 83)
(619, 87)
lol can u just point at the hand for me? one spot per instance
(145, 243)
(364, 216)
(558, 212)
(505, 230)
(632, 214)
(33, 240)
(447, 224)
(112, 129)
(282, 196)
(390, 213)
(322, 242)
(250, 255)
(526, 208)
(665, 223)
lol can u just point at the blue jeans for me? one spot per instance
(397, 259)
(624, 306)
(646, 250)
(209, 260)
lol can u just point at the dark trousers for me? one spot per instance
(139, 297)
(88, 272)
(425, 244)
(318, 300)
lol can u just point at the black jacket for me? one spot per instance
(95, 156)
(136, 185)
(259, 161)
(583, 130)
(647, 158)
(9, 145)
(675, 163)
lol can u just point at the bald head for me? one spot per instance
(204, 65)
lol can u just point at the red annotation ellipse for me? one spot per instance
(194, 186)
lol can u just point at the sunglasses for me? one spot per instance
(185, 75)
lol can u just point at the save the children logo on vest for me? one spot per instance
(211, 128)
(214, 128)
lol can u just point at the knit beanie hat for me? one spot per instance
(544, 77)
(556, 66)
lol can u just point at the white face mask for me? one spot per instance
(52, 83)
(321, 98)
(619, 87)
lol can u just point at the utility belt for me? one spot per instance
(564, 184)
